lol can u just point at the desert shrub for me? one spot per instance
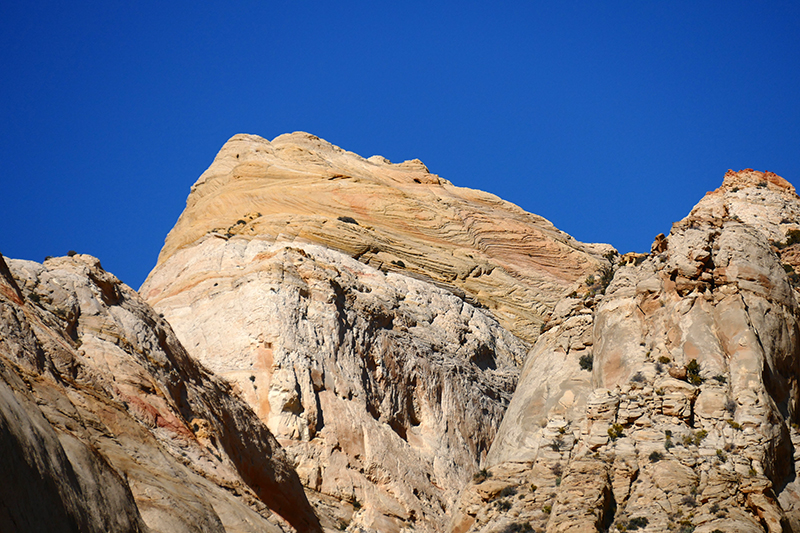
(481, 475)
(721, 379)
(734, 425)
(547, 509)
(558, 444)
(655, 457)
(730, 406)
(72, 253)
(721, 456)
(504, 505)
(693, 372)
(586, 362)
(615, 431)
(590, 281)
(638, 378)
(606, 276)
(508, 491)
(636, 523)
(664, 360)
(689, 500)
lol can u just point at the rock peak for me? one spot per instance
(753, 178)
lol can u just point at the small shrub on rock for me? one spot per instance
(636, 523)
(508, 491)
(586, 362)
(655, 457)
(481, 475)
(730, 406)
(693, 372)
(615, 431)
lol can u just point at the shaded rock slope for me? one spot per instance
(106, 424)
(670, 403)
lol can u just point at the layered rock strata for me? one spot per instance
(394, 217)
(671, 402)
(106, 424)
(359, 306)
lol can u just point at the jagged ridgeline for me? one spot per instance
(363, 346)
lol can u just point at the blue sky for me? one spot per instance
(611, 119)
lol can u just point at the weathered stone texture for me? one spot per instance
(107, 425)
(688, 416)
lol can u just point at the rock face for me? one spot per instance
(382, 351)
(395, 217)
(671, 402)
(107, 425)
(385, 389)
(359, 307)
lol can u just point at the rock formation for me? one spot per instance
(107, 425)
(360, 345)
(670, 402)
(384, 377)
(394, 217)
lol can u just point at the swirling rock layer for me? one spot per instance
(395, 217)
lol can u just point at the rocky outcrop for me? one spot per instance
(394, 217)
(359, 306)
(670, 402)
(386, 390)
(107, 425)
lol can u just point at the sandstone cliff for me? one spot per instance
(671, 402)
(359, 307)
(107, 425)
(382, 351)
(395, 217)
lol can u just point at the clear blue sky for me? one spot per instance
(611, 119)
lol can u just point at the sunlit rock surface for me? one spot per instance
(688, 415)
(395, 217)
(374, 315)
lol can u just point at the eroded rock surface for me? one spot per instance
(385, 389)
(107, 425)
(671, 402)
